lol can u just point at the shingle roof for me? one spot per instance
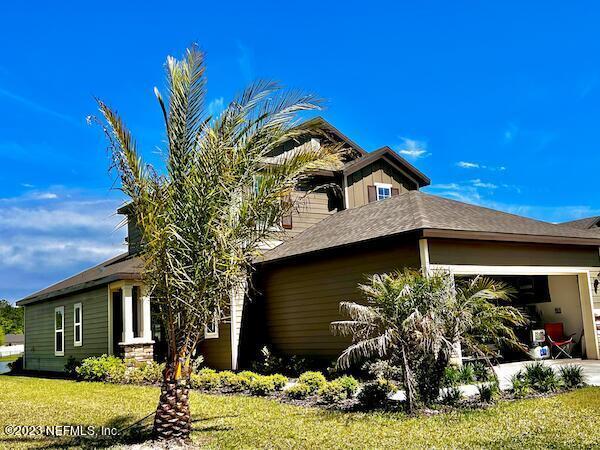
(413, 211)
(122, 267)
(582, 224)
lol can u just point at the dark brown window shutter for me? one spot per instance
(286, 220)
(372, 193)
(395, 191)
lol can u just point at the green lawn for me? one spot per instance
(565, 421)
(10, 358)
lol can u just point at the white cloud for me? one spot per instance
(476, 165)
(412, 148)
(27, 185)
(481, 184)
(215, 107)
(43, 242)
(467, 165)
(479, 195)
(44, 196)
(445, 186)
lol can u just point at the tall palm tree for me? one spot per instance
(204, 219)
(415, 320)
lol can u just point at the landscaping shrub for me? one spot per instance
(375, 393)
(572, 376)
(314, 380)
(466, 374)
(299, 391)
(205, 379)
(197, 363)
(383, 369)
(451, 376)
(151, 372)
(16, 366)
(248, 374)
(71, 367)
(232, 382)
(349, 383)
(102, 368)
(482, 371)
(488, 391)
(270, 363)
(520, 385)
(279, 381)
(451, 396)
(246, 378)
(541, 377)
(262, 385)
(332, 392)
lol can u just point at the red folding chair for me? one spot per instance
(555, 335)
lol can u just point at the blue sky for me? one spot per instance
(498, 102)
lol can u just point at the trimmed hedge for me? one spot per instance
(314, 380)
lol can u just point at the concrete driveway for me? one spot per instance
(591, 369)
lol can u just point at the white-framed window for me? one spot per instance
(383, 191)
(212, 329)
(59, 331)
(77, 325)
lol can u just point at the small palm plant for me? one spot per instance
(203, 220)
(415, 320)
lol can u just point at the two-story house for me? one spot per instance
(371, 218)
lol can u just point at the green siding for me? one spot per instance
(39, 329)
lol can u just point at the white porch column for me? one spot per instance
(127, 292)
(146, 318)
(587, 312)
(424, 255)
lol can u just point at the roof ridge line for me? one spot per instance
(418, 214)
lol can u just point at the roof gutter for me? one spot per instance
(77, 288)
(509, 237)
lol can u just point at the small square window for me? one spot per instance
(212, 329)
(383, 191)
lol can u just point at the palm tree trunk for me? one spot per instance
(409, 382)
(173, 420)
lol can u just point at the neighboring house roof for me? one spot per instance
(392, 157)
(14, 339)
(583, 224)
(122, 267)
(434, 216)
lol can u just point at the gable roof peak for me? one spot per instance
(392, 157)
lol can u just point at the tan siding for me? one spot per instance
(39, 330)
(312, 208)
(446, 251)
(217, 352)
(378, 172)
(302, 299)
